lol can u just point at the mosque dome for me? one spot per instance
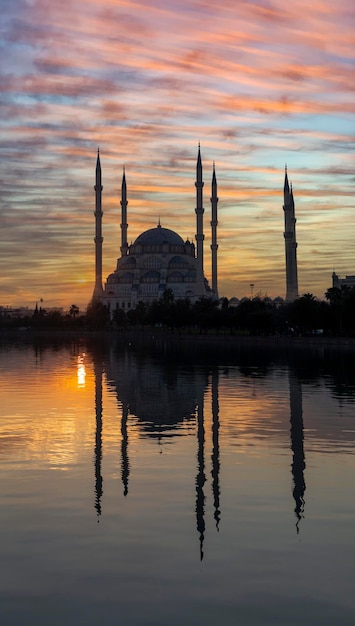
(158, 236)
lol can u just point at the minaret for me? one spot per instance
(290, 243)
(124, 225)
(214, 223)
(199, 213)
(98, 233)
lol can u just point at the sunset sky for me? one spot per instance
(258, 84)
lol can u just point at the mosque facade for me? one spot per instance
(159, 259)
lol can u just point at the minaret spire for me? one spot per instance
(199, 213)
(98, 291)
(214, 223)
(286, 185)
(290, 242)
(124, 225)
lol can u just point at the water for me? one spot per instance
(145, 487)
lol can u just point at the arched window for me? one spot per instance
(175, 277)
(150, 277)
(178, 262)
(112, 279)
(127, 262)
(127, 277)
(190, 276)
(152, 263)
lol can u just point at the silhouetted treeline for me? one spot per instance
(43, 319)
(334, 316)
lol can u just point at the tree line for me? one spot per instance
(333, 316)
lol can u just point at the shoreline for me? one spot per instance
(156, 336)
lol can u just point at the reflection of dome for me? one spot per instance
(160, 392)
(158, 236)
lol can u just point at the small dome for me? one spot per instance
(158, 236)
(127, 262)
(233, 301)
(179, 262)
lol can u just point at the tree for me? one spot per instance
(138, 316)
(74, 311)
(181, 313)
(168, 296)
(254, 316)
(339, 303)
(205, 313)
(349, 311)
(97, 315)
(303, 313)
(335, 295)
(119, 317)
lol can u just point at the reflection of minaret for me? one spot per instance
(124, 446)
(98, 436)
(215, 448)
(200, 478)
(298, 458)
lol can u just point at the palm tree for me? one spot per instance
(74, 311)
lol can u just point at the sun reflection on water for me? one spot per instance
(81, 370)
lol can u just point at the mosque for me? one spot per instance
(159, 259)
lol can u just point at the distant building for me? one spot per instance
(159, 259)
(15, 312)
(348, 281)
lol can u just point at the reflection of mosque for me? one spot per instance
(162, 396)
(158, 393)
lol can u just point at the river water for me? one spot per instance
(146, 486)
